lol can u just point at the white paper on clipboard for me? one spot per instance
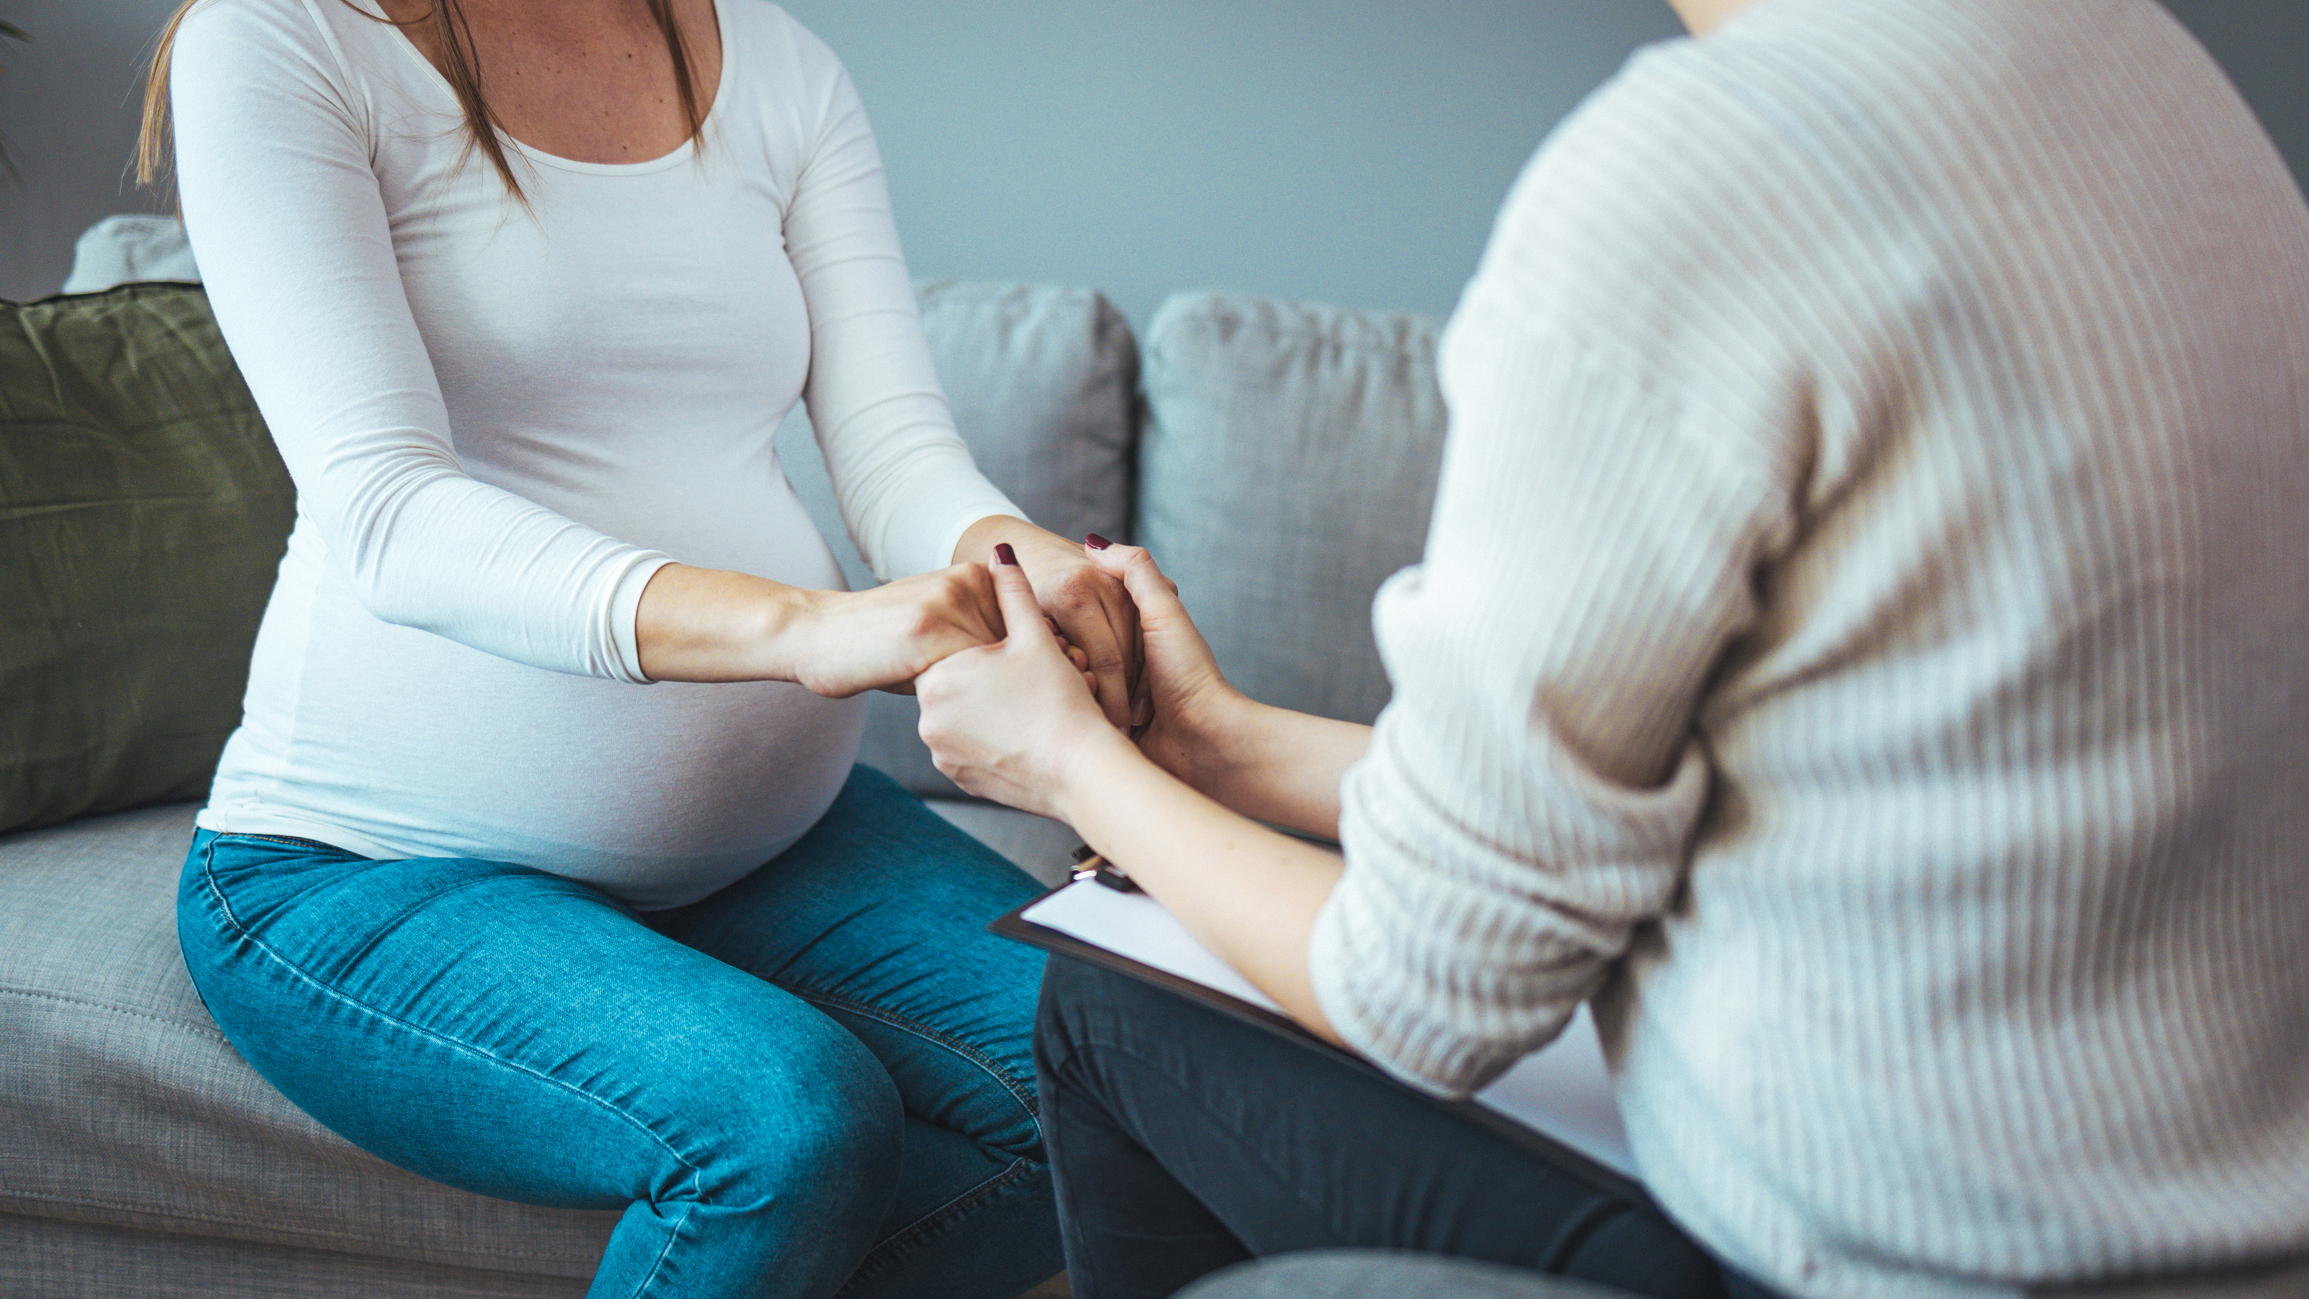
(1561, 1090)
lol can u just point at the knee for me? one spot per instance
(816, 1120)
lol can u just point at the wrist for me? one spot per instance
(1095, 765)
(776, 623)
(977, 541)
(702, 624)
(1221, 744)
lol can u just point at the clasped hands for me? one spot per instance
(1032, 657)
(1019, 665)
(1011, 721)
(1042, 651)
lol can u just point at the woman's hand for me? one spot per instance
(1267, 763)
(700, 624)
(1189, 719)
(1010, 721)
(1086, 601)
(844, 642)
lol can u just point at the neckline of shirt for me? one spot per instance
(541, 157)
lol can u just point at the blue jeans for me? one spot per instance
(819, 1079)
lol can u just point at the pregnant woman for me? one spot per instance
(523, 288)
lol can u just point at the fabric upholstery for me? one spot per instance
(128, 1112)
(142, 513)
(126, 1107)
(1043, 381)
(132, 246)
(1288, 467)
(54, 1259)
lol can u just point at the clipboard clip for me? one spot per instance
(1088, 865)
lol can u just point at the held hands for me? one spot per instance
(701, 624)
(1005, 721)
(1010, 721)
(1086, 602)
(846, 642)
(1189, 718)
(885, 636)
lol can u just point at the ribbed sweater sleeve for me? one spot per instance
(1530, 792)
(1611, 484)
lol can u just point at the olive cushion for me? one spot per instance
(143, 512)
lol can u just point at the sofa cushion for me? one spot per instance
(132, 246)
(1044, 386)
(54, 1259)
(126, 1107)
(1288, 467)
(143, 511)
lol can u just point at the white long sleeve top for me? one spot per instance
(502, 423)
(1861, 644)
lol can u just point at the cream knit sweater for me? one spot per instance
(1863, 643)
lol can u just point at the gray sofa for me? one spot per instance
(1280, 459)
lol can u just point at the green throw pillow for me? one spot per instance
(143, 512)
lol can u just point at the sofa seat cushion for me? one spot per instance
(126, 1107)
(1288, 467)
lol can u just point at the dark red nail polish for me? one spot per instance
(1096, 542)
(1003, 554)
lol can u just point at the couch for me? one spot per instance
(1279, 458)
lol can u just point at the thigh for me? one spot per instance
(521, 1035)
(878, 918)
(1161, 1109)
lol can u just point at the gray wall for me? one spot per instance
(1342, 150)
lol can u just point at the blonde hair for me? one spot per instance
(155, 148)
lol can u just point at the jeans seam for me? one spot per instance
(671, 1237)
(363, 950)
(208, 879)
(1018, 1092)
(288, 841)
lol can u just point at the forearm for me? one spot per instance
(1249, 894)
(703, 624)
(1275, 765)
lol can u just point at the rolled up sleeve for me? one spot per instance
(1532, 790)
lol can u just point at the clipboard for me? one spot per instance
(1555, 1104)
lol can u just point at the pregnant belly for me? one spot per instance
(400, 743)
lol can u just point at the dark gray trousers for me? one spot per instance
(1184, 1141)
